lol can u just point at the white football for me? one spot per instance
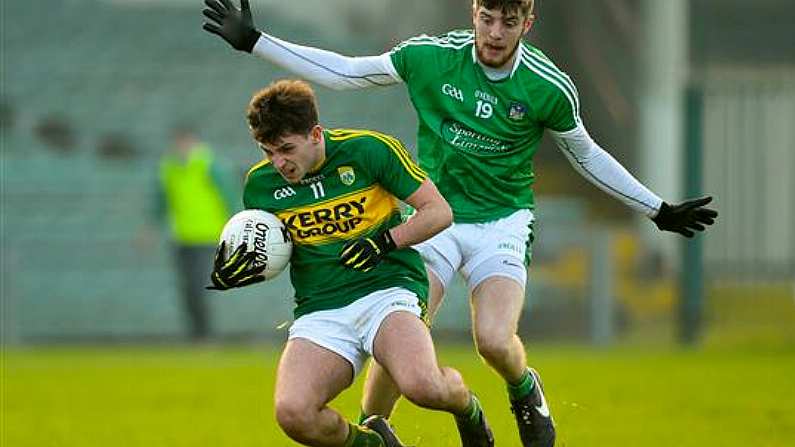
(264, 234)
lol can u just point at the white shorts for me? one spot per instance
(350, 331)
(481, 250)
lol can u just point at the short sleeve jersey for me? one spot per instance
(477, 137)
(354, 193)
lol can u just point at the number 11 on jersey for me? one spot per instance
(317, 190)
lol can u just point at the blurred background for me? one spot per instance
(693, 97)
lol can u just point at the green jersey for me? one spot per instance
(477, 137)
(354, 193)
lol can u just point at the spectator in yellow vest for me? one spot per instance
(196, 199)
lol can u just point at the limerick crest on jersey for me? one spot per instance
(516, 111)
(347, 176)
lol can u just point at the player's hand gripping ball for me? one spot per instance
(255, 246)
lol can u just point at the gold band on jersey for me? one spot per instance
(342, 218)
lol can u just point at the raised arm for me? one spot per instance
(601, 169)
(323, 67)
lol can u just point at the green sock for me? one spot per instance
(362, 416)
(359, 436)
(523, 387)
(472, 413)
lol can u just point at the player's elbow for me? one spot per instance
(429, 203)
(442, 213)
(343, 82)
(339, 85)
(447, 214)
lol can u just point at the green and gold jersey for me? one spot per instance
(353, 194)
(477, 137)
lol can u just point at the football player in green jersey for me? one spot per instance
(484, 98)
(360, 288)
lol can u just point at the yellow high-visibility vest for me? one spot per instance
(196, 209)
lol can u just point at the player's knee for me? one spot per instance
(424, 390)
(295, 418)
(452, 376)
(493, 345)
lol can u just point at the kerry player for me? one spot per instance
(360, 288)
(484, 98)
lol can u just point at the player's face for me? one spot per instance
(296, 155)
(497, 34)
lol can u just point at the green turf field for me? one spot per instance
(221, 396)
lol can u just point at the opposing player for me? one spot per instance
(360, 288)
(484, 98)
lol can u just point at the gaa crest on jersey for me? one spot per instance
(283, 193)
(347, 176)
(516, 111)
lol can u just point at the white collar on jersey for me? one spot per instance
(495, 74)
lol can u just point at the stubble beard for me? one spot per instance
(502, 62)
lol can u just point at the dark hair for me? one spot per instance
(506, 6)
(285, 107)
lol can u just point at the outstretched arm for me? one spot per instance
(686, 217)
(601, 169)
(323, 67)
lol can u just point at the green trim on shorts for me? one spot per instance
(528, 252)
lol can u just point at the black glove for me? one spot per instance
(366, 252)
(685, 217)
(233, 24)
(237, 271)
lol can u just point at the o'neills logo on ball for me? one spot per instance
(260, 243)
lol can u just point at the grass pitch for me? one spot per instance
(221, 396)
